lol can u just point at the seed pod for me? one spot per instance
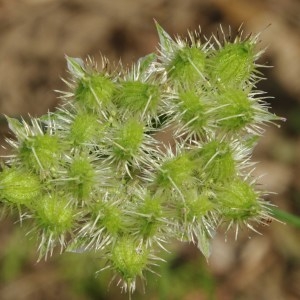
(94, 91)
(136, 96)
(18, 186)
(40, 152)
(84, 128)
(129, 259)
(232, 65)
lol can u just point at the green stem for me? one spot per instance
(286, 217)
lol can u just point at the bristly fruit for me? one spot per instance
(135, 158)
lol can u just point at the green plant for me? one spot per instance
(95, 175)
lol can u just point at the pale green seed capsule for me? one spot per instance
(150, 212)
(128, 139)
(129, 258)
(237, 201)
(138, 96)
(54, 215)
(187, 65)
(192, 110)
(109, 217)
(94, 91)
(176, 171)
(40, 152)
(18, 186)
(232, 65)
(84, 128)
(236, 110)
(196, 205)
(215, 162)
(82, 175)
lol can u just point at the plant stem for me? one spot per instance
(286, 217)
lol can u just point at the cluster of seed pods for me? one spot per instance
(136, 158)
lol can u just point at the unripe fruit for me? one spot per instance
(18, 186)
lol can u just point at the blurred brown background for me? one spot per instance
(34, 37)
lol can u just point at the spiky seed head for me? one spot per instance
(128, 139)
(197, 217)
(54, 218)
(54, 214)
(233, 64)
(196, 206)
(94, 91)
(102, 224)
(192, 110)
(17, 186)
(136, 96)
(215, 161)
(129, 259)
(116, 184)
(84, 128)
(239, 202)
(109, 217)
(187, 65)
(40, 152)
(175, 172)
(236, 111)
(81, 177)
(149, 217)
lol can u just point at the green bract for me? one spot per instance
(135, 158)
